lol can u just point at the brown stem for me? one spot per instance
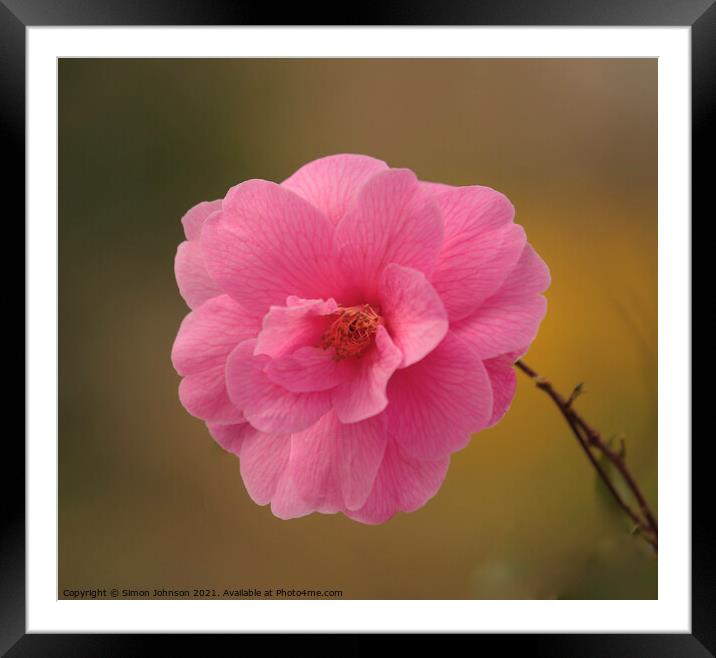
(591, 441)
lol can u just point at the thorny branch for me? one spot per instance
(594, 446)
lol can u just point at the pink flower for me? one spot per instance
(351, 328)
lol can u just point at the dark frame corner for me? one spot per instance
(700, 15)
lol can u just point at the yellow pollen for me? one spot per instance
(351, 333)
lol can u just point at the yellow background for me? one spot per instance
(147, 499)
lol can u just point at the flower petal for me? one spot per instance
(509, 320)
(392, 221)
(286, 503)
(403, 484)
(332, 183)
(267, 406)
(195, 284)
(307, 369)
(413, 311)
(195, 217)
(363, 394)
(433, 189)
(472, 208)
(498, 327)
(268, 243)
(231, 437)
(504, 382)
(208, 334)
(206, 337)
(264, 458)
(437, 403)
(204, 396)
(333, 465)
(286, 328)
(481, 247)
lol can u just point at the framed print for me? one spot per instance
(380, 327)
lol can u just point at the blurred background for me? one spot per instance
(147, 499)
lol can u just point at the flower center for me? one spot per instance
(352, 331)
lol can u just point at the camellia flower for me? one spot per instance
(351, 327)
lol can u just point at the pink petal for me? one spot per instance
(333, 465)
(498, 327)
(472, 268)
(204, 396)
(286, 328)
(195, 284)
(231, 437)
(332, 183)
(307, 369)
(268, 243)
(208, 334)
(504, 382)
(206, 337)
(392, 221)
(286, 503)
(413, 312)
(403, 484)
(509, 320)
(517, 354)
(264, 458)
(433, 189)
(530, 276)
(363, 395)
(481, 247)
(196, 216)
(473, 208)
(437, 403)
(267, 406)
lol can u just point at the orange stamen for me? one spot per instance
(351, 333)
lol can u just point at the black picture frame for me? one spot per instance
(17, 15)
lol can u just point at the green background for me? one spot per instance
(147, 499)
